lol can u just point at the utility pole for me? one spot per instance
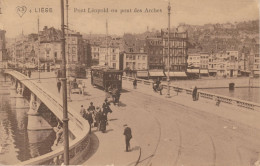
(39, 51)
(168, 75)
(106, 58)
(67, 10)
(64, 91)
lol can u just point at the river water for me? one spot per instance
(248, 94)
(16, 142)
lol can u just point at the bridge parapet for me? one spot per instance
(78, 126)
(205, 95)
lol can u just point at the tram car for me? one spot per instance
(106, 78)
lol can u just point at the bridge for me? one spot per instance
(169, 131)
(78, 126)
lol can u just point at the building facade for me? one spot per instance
(154, 47)
(109, 56)
(178, 51)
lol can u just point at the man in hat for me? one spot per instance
(91, 108)
(128, 136)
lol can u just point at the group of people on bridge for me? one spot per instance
(96, 116)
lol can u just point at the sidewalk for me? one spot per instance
(106, 148)
(238, 114)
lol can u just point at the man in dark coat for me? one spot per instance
(59, 85)
(98, 118)
(29, 73)
(88, 117)
(103, 122)
(128, 136)
(106, 108)
(135, 83)
(91, 108)
(194, 94)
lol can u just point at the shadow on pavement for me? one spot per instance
(109, 130)
(135, 148)
(121, 104)
(94, 144)
(113, 119)
(124, 91)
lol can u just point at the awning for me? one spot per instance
(212, 70)
(156, 73)
(257, 72)
(177, 74)
(193, 70)
(204, 71)
(142, 74)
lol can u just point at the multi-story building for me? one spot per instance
(154, 47)
(75, 48)
(87, 53)
(50, 47)
(221, 65)
(95, 54)
(212, 65)
(135, 61)
(178, 52)
(232, 65)
(194, 60)
(256, 67)
(193, 63)
(204, 62)
(109, 56)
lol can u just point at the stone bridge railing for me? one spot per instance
(78, 126)
(205, 95)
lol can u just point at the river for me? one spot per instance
(16, 142)
(248, 94)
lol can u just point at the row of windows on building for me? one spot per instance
(175, 52)
(175, 43)
(134, 57)
(133, 65)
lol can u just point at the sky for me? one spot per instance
(122, 15)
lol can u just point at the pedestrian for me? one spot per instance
(160, 88)
(135, 83)
(82, 111)
(117, 96)
(29, 73)
(91, 108)
(89, 118)
(59, 85)
(106, 108)
(103, 122)
(83, 88)
(98, 118)
(194, 94)
(128, 137)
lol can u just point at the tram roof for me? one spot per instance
(105, 68)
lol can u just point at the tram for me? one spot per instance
(106, 78)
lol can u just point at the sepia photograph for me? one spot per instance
(130, 82)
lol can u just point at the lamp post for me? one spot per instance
(168, 75)
(38, 52)
(67, 13)
(64, 92)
